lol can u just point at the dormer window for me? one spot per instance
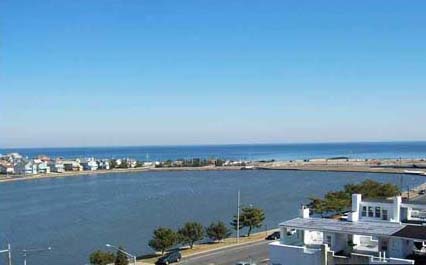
(364, 211)
(370, 211)
(377, 212)
(385, 214)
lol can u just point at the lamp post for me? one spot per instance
(9, 253)
(238, 218)
(25, 252)
(133, 257)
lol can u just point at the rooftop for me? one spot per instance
(412, 232)
(345, 227)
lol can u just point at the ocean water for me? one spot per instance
(236, 152)
(77, 215)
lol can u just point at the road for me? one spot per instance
(258, 252)
(420, 199)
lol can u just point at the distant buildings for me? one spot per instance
(89, 164)
(16, 164)
(6, 168)
(72, 165)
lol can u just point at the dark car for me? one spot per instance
(273, 236)
(171, 257)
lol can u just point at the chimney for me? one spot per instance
(304, 212)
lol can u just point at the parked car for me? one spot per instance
(245, 263)
(171, 257)
(422, 192)
(274, 236)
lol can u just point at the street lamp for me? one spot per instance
(125, 253)
(25, 252)
(9, 254)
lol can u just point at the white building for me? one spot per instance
(6, 168)
(72, 165)
(56, 166)
(374, 233)
(42, 166)
(89, 164)
(103, 164)
(26, 168)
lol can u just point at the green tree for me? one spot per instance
(163, 239)
(191, 232)
(338, 201)
(250, 217)
(101, 258)
(112, 163)
(121, 258)
(218, 231)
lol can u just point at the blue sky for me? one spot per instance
(96, 73)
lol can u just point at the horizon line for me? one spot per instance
(225, 144)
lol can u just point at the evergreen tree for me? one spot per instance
(191, 232)
(163, 239)
(218, 231)
(250, 217)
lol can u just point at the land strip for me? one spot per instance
(391, 166)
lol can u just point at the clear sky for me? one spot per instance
(110, 72)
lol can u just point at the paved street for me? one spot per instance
(258, 252)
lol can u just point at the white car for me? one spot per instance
(245, 263)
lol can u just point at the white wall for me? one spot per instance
(293, 255)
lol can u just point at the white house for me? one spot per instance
(26, 168)
(42, 166)
(56, 166)
(374, 233)
(89, 164)
(103, 164)
(6, 168)
(72, 165)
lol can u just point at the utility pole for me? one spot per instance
(9, 254)
(238, 218)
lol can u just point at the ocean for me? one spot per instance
(239, 152)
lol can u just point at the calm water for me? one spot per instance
(77, 215)
(251, 152)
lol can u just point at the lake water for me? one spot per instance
(236, 152)
(77, 215)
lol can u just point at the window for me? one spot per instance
(370, 211)
(385, 214)
(364, 211)
(377, 212)
(328, 240)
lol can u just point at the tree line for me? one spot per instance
(339, 201)
(164, 238)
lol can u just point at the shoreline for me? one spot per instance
(389, 166)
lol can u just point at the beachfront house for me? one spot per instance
(89, 164)
(131, 163)
(103, 164)
(375, 232)
(72, 165)
(6, 168)
(26, 168)
(56, 166)
(42, 166)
